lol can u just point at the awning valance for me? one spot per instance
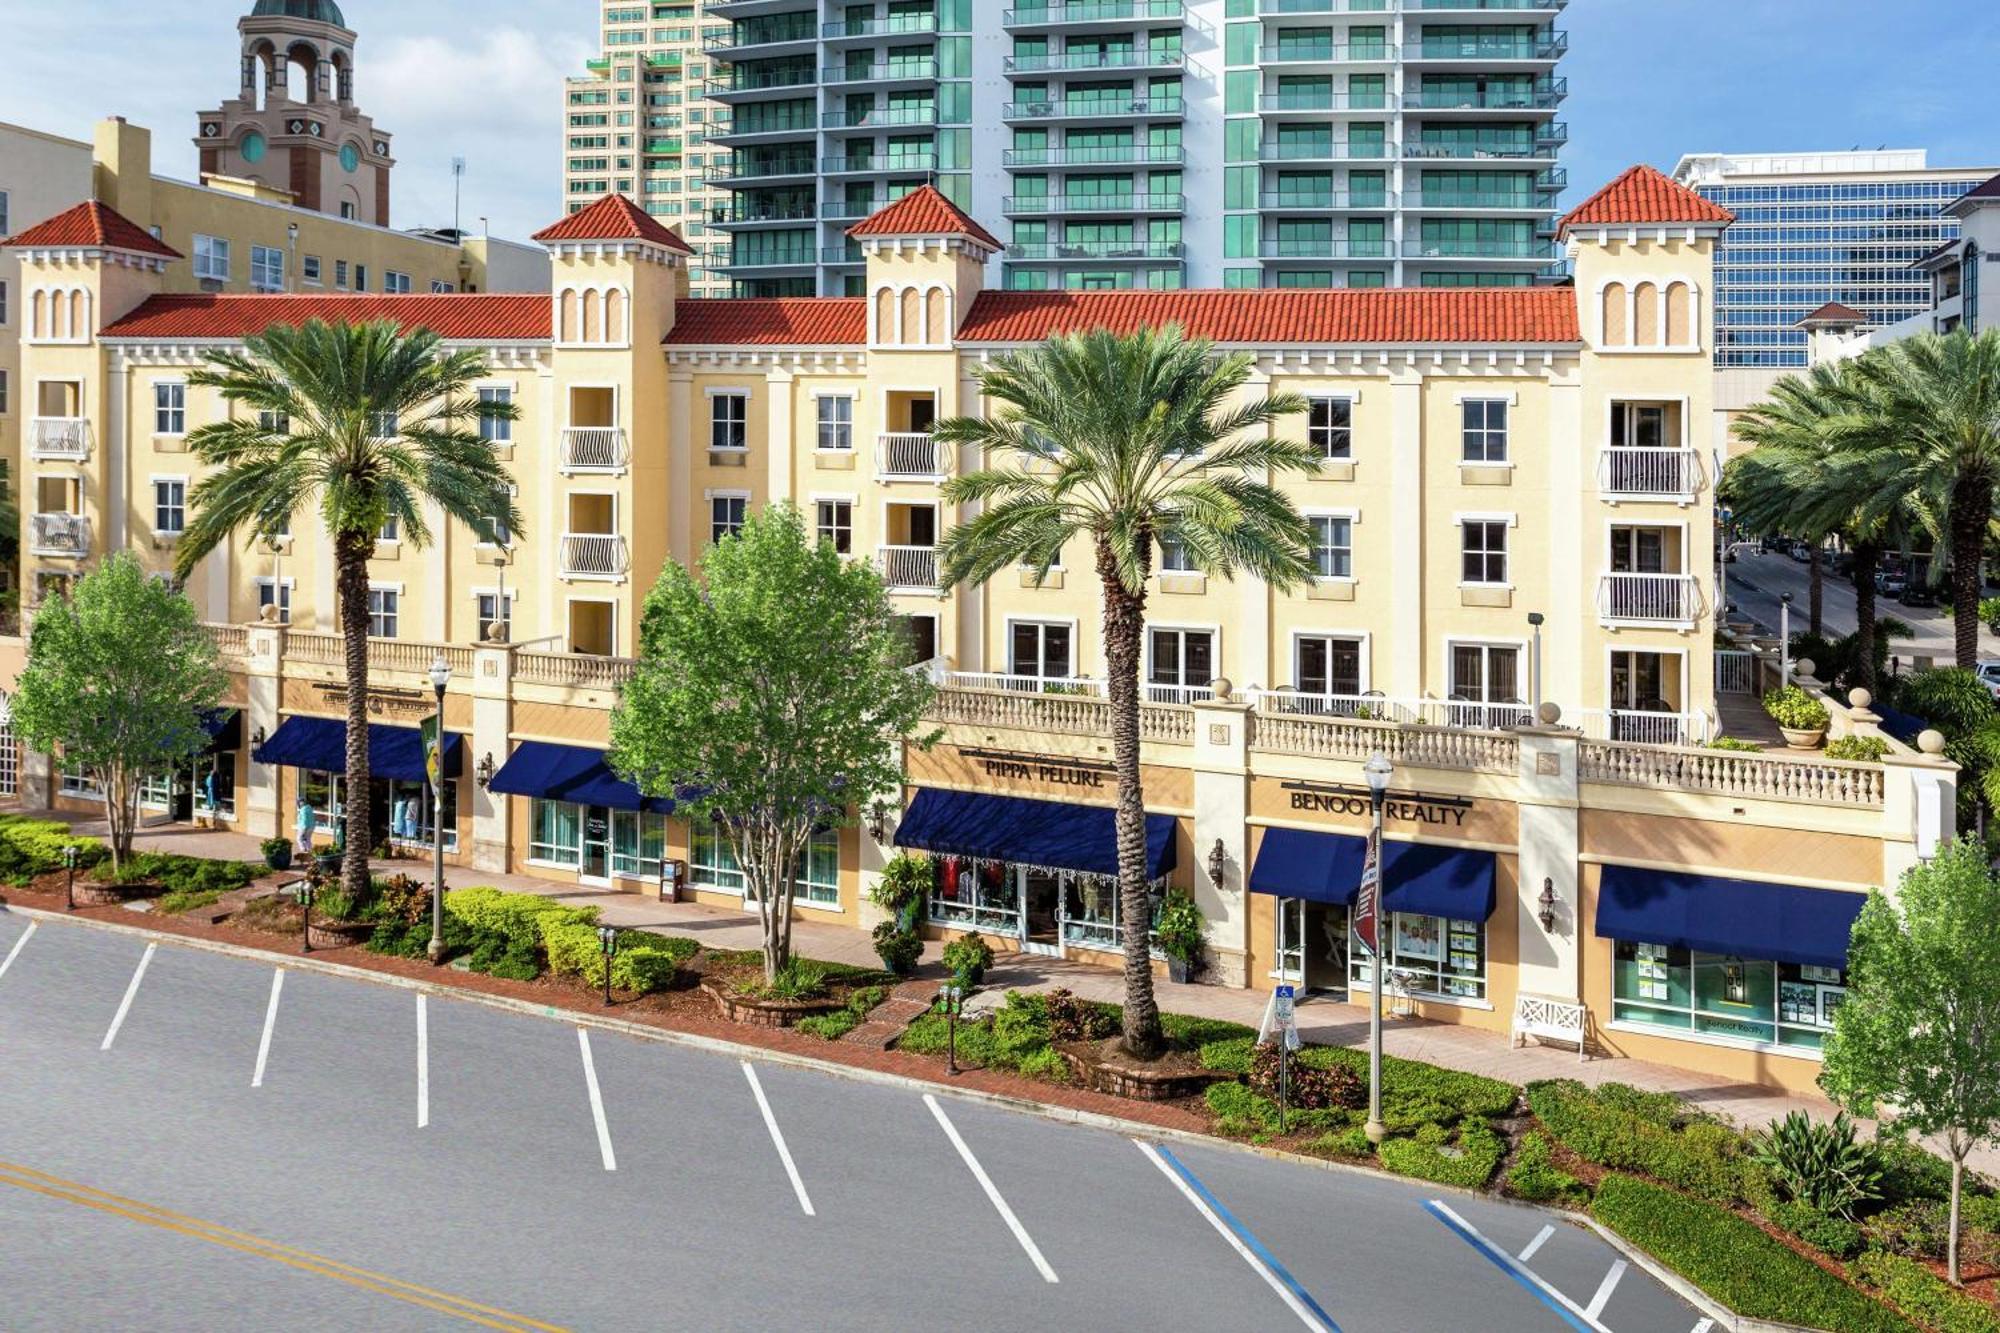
(321, 743)
(570, 773)
(1028, 832)
(1428, 879)
(225, 729)
(1744, 918)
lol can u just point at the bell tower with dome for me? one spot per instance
(293, 126)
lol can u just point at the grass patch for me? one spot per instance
(187, 900)
(1467, 1163)
(834, 1026)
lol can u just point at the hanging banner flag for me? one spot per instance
(433, 750)
(1368, 903)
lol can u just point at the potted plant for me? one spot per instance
(277, 853)
(905, 883)
(1800, 716)
(898, 949)
(968, 957)
(1181, 933)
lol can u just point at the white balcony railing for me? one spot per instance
(593, 449)
(1651, 598)
(1018, 684)
(593, 555)
(1642, 726)
(1376, 707)
(60, 438)
(908, 566)
(1157, 693)
(1673, 474)
(910, 454)
(60, 534)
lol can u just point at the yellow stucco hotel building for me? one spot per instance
(1514, 603)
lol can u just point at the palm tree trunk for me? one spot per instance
(1866, 556)
(1816, 589)
(1124, 625)
(1971, 514)
(351, 554)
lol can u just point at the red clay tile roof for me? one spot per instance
(1642, 194)
(1833, 312)
(93, 225)
(1273, 316)
(614, 218)
(778, 321)
(923, 212)
(468, 317)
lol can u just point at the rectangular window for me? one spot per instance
(1039, 650)
(836, 423)
(340, 274)
(496, 430)
(729, 421)
(1327, 664)
(725, 516)
(1485, 674)
(1485, 430)
(638, 843)
(1174, 558)
(1433, 955)
(3, 393)
(1330, 427)
(169, 506)
(392, 530)
(836, 521)
(274, 423)
(309, 270)
(3, 299)
(382, 612)
(361, 277)
(211, 258)
(1182, 665)
(267, 268)
(270, 593)
(555, 833)
(1333, 546)
(493, 611)
(1716, 995)
(1483, 543)
(711, 860)
(394, 282)
(387, 426)
(170, 408)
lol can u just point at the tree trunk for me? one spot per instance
(1866, 556)
(1957, 1190)
(1815, 589)
(1971, 513)
(351, 555)
(1124, 626)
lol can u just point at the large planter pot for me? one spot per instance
(327, 864)
(1803, 740)
(279, 859)
(338, 934)
(90, 893)
(766, 1013)
(1181, 970)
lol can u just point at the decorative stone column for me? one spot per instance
(1548, 847)
(1919, 807)
(492, 724)
(1221, 810)
(263, 686)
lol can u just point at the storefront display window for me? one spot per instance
(410, 815)
(1432, 955)
(555, 833)
(711, 861)
(1719, 995)
(638, 842)
(968, 894)
(322, 793)
(77, 783)
(818, 882)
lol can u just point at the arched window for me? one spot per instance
(1617, 333)
(614, 316)
(1646, 315)
(593, 317)
(937, 326)
(1680, 315)
(911, 327)
(885, 316)
(567, 330)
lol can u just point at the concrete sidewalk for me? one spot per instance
(1321, 1020)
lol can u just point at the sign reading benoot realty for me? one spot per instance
(1334, 799)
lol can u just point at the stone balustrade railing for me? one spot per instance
(1775, 777)
(231, 641)
(572, 669)
(1413, 746)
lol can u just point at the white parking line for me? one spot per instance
(778, 1138)
(1703, 1327)
(118, 1019)
(596, 1102)
(1605, 1288)
(270, 1021)
(992, 1194)
(423, 1064)
(11, 953)
(1541, 1237)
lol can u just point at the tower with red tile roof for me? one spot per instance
(926, 265)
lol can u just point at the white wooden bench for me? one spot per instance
(1545, 1017)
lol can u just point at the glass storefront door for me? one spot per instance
(1041, 893)
(1312, 945)
(597, 844)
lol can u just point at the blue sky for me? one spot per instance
(1649, 80)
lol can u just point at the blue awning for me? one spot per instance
(570, 773)
(1036, 833)
(1777, 922)
(224, 728)
(1428, 879)
(321, 743)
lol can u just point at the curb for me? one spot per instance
(1726, 1319)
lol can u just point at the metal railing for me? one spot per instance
(1642, 726)
(1320, 201)
(60, 438)
(1094, 203)
(911, 454)
(1673, 598)
(593, 449)
(1093, 108)
(1089, 11)
(59, 534)
(890, 72)
(1022, 684)
(1325, 99)
(908, 566)
(888, 162)
(593, 555)
(1326, 248)
(1326, 53)
(1324, 150)
(1374, 706)
(893, 25)
(1097, 250)
(1057, 62)
(1129, 154)
(871, 117)
(1675, 473)
(1735, 671)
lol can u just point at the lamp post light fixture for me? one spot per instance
(70, 853)
(1378, 771)
(952, 996)
(607, 940)
(303, 891)
(1785, 639)
(1535, 619)
(1547, 904)
(1218, 863)
(440, 677)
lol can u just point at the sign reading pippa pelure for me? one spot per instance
(1317, 798)
(1054, 771)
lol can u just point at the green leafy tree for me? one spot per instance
(771, 696)
(352, 424)
(1124, 442)
(1958, 704)
(118, 677)
(1918, 1035)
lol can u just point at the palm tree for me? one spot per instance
(1126, 441)
(1940, 397)
(358, 424)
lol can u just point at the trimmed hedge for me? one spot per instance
(1924, 1295)
(1413, 1093)
(31, 847)
(189, 875)
(1534, 1176)
(644, 961)
(1735, 1262)
(514, 916)
(1629, 1131)
(1478, 1152)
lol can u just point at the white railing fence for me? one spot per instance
(1668, 597)
(910, 454)
(1675, 473)
(593, 449)
(1735, 671)
(1642, 726)
(908, 566)
(594, 555)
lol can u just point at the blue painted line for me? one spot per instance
(1244, 1234)
(1506, 1264)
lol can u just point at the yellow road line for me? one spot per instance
(69, 1191)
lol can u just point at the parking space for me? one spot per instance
(442, 1145)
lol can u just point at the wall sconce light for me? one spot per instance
(257, 740)
(483, 773)
(1217, 862)
(878, 822)
(1547, 903)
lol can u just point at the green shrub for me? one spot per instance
(1820, 1165)
(1981, 1212)
(830, 1027)
(898, 949)
(1469, 1165)
(796, 979)
(187, 900)
(905, 880)
(1238, 1111)
(1923, 1295)
(1916, 1229)
(644, 961)
(1182, 930)
(1231, 1055)
(1342, 1143)
(31, 847)
(1793, 708)
(968, 957)
(1734, 1261)
(1046, 1063)
(515, 915)
(1868, 749)
(1621, 1128)
(1415, 1093)
(1735, 744)
(1837, 1236)
(1911, 1171)
(1533, 1175)
(1071, 1019)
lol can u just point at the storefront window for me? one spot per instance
(1432, 955)
(638, 842)
(967, 894)
(555, 833)
(410, 814)
(215, 786)
(819, 878)
(156, 791)
(1719, 995)
(322, 792)
(75, 782)
(1091, 911)
(711, 860)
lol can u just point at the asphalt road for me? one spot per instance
(196, 1141)
(1756, 581)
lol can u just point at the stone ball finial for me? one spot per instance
(1221, 687)
(1931, 741)
(1804, 666)
(496, 632)
(1550, 712)
(268, 614)
(1859, 698)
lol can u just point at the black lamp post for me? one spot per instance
(69, 877)
(953, 999)
(607, 940)
(440, 677)
(303, 891)
(1379, 772)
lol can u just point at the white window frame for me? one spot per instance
(1352, 517)
(1146, 681)
(389, 610)
(1488, 643)
(496, 432)
(499, 536)
(395, 283)
(480, 597)
(1174, 545)
(1365, 645)
(211, 257)
(840, 429)
(170, 408)
(1323, 447)
(712, 497)
(1507, 524)
(1043, 624)
(310, 271)
(160, 504)
(717, 421)
(281, 591)
(261, 266)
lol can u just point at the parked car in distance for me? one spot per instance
(1771, 541)
(1801, 552)
(1988, 672)
(1917, 593)
(1891, 582)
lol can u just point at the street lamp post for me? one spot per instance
(70, 853)
(1785, 639)
(1379, 771)
(303, 891)
(607, 940)
(440, 677)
